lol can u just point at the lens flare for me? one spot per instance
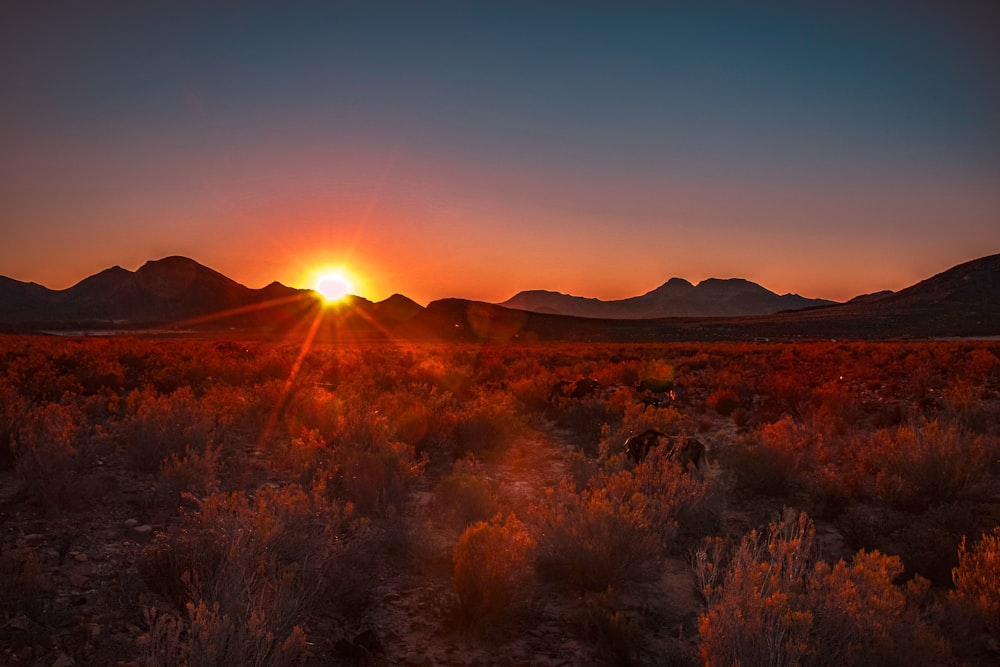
(333, 286)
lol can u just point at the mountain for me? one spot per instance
(963, 301)
(179, 293)
(677, 297)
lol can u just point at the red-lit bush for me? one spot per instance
(493, 569)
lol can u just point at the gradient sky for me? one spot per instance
(480, 149)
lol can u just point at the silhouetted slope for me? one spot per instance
(172, 289)
(675, 298)
(176, 291)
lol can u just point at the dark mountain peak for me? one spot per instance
(732, 285)
(400, 298)
(974, 282)
(397, 309)
(713, 297)
(108, 279)
(673, 286)
(175, 275)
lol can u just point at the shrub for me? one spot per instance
(925, 465)
(25, 587)
(638, 418)
(196, 473)
(493, 568)
(266, 559)
(723, 401)
(46, 455)
(479, 425)
(597, 537)
(158, 426)
(977, 578)
(601, 622)
(11, 409)
(466, 495)
(377, 478)
(210, 638)
(771, 603)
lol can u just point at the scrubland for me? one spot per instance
(217, 502)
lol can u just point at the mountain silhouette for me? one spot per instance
(179, 292)
(677, 297)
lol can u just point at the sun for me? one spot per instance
(333, 286)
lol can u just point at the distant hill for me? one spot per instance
(675, 298)
(179, 293)
(962, 301)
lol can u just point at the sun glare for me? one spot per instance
(332, 286)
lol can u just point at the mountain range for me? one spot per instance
(675, 298)
(180, 294)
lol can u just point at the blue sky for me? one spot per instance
(478, 149)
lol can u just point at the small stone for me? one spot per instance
(21, 622)
(64, 661)
(145, 530)
(80, 557)
(33, 539)
(131, 523)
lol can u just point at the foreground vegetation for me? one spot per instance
(173, 502)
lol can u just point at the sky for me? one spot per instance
(477, 149)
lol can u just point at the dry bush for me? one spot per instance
(481, 423)
(317, 409)
(196, 473)
(977, 578)
(158, 426)
(465, 495)
(597, 537)
(25, 587)
(638, 418)
(268, 560)
(771, 603)
(46, 456)
(493, 569)
(611, 532)
(775, 460)
(12, 409)
(601, 622)
(723, 401)
(925, 465)
(376, 478)
(302, 457)
(210, 638)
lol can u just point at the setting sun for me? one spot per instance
(332, 286)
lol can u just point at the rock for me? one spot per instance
(21, 622)
(80, 557)
(131, 523)
(33, 539)
(145, 531)
(64, 660)
(80, 573)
